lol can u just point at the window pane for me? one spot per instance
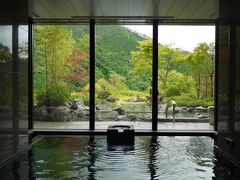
(6, 76)
(186, 65)
(61, 76)
(123, 76)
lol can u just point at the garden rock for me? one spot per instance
(121, 118)
(110, 99)
(104, 105)
(200, 116)
(184, 109)
(119, 110)
(40, 113)
(80, 104)
(111, 115)
(60, 113)
(131, 118)
(74, 106)
(201, 109)
(191, 109)
(120, 102)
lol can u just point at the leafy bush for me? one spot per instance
(51, 98)
(172, 91)
(192, 102)
(82, 95)
(103, 89)
(103, 94)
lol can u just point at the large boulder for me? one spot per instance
(111, 115)
(121, 118)
(80, 104)
(59, 113)
(131, 118)
(110, 99)
(200, 109)
(104, 105)
(40, 113)
(119, 110)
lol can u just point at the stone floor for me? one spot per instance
(137, 125)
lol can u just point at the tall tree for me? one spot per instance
(142, 65)
(168, 60)
(53, 46)
(201, 64)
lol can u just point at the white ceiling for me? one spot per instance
(129, 9)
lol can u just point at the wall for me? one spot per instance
(13, 77)
(228, 79)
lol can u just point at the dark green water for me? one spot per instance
(82, 157)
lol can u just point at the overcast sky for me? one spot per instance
(6, 36)
(184, 37)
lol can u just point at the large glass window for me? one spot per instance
(6, 77)
(13, 89)
(186, 74)
(123, 75)
(61, 76)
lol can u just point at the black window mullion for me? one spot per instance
(155, 77)
(30, 76)
(15, 69)
(92, 75)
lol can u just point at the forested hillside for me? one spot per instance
(113, 48)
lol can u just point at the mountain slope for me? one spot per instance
(114, 44)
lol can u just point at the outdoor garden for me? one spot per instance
(123, 74)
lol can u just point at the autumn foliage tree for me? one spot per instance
(79, 69)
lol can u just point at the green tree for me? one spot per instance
(141, 73)
(200, 66)
(180, 85)
(5, 55)
(5, 80)
(168, 60)
(53, 46)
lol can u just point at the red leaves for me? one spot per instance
(79, 64)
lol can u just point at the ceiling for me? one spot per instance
(124, 9)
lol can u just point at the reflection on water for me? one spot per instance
(91, 158)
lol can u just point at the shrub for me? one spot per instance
(103, 94)
(51, 98)
(192, 102)
(103, 89)
(82, 95)
(172, 91)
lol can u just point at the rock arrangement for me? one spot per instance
(72, 111)
(77, 111)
